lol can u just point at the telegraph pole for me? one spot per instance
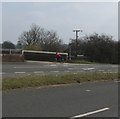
(69, 51)
(76, 31)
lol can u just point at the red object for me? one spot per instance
(58, 55)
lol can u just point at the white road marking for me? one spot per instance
(65, 65)
(88, 68)
(54, 71)
(19, 72)
(74, 73)
(114, 66)
(83, 64)
(116, 80)
(38, 72)
(2, 73)
(26, 67)
(89, 113)
(109, 72)
(88, 90)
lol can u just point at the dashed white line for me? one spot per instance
(74, 73)
(90, 113)
(65, 65)
(116, 80)
(114, 66)
(26, 67)
(2, 73)
(38, 72)
(87, 90)
(109, 72)
(88, 68)
(54, 71)
(19, 72)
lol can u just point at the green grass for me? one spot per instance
(44, 80)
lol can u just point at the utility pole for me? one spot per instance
(76, 31)
(69, 51)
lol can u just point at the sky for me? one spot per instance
(62, 17)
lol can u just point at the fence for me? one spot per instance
(11, 55)
(10, 51)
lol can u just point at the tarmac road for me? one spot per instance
(96, 99)
(12, 69)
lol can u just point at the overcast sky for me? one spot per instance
(62, 17)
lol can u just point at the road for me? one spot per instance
(12, 69)
(95, 99)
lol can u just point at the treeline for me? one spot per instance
(97, 48)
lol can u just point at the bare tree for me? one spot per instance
(29, 39)
(39, 39)
(52, 42)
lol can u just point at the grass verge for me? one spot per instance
(44, 80)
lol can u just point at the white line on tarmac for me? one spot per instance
(89, 113)
(74, 73)
(19, 72)
(2, 73)
(38, 72)
(88, 68)
(54, 71)
(25, 67)
(117, 81)
(87, 90)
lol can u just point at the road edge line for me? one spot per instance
(89, 113)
